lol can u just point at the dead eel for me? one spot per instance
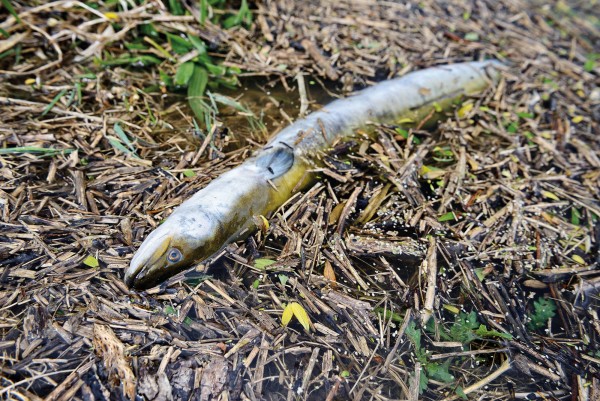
(223, 211)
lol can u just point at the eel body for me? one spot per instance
(223, 211)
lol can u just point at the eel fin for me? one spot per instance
(275, 161)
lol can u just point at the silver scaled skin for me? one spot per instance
(223, 211)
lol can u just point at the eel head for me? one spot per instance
(185, 237)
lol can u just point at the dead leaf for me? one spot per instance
(111, 350)
(328, 272)
(214, 377)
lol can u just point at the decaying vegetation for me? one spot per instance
(455, 263)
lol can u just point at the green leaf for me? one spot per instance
(189, 173)
(461, 393)
(184, 73)
(402, 132)
(525, 115)
(10, 9)
(263, 263)
(462, 329)
(255, 284)
(176, 7)
(169, 310)
(439, 372)
(165, 78)
(215, 69)
(203, 11)
(414, 335)
(198, 44)
(132, 46)
(196, 88)
(91, 261)
(447, 217)
(345, 373)
(283, 279)
(590, 62)
(178, 44)
(135, 61)
(575, 216)
(149, 30)
(8, 53)
(589, 65)
(544, 309)
(479, 273)
(53, 102)
(123, 137)
(483, 332)
(472, 36)
(423, 382)
(35, 150)
(388, 314)
(242, 16)
(118, 145)
(513, 127)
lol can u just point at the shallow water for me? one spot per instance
(272, 106)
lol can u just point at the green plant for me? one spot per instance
(432, 370)
(183, 59)
(543, 309)
(464, 329)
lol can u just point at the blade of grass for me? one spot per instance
(253, 120)
(137, 61)
(160, 49)
(53, 102)
(34, 150)
(184, 73)
(124, 138)
(116, 143)
(196, 88)
(11, 10)
(198, 44)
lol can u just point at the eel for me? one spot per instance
(223, 211)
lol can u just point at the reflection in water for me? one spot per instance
(270, 103)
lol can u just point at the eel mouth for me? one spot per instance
(149, 263)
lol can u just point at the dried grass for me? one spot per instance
(510, 213)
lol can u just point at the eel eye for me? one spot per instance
(174, 255)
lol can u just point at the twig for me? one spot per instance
(483, 382)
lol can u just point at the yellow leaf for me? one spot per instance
(261, 223)
(452, 308)
(578, 259)
(298, 311)
(550, 195)
(405, 120)
(466, 108)
(287, 315)
(301, 315)
(29, 81)
(431, 173)
(91, 261)
(474, 165)
(577, 119)
(111, 15)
